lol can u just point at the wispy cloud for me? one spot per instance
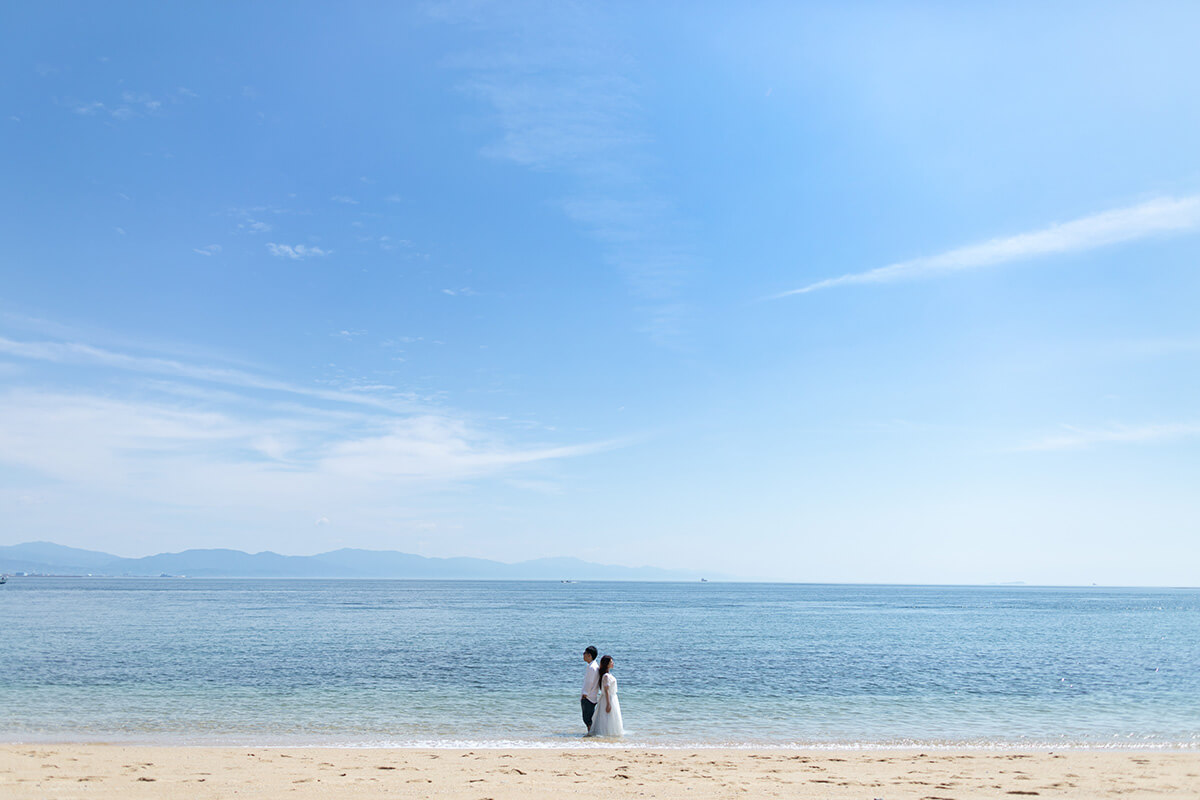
(254, 226)
(297, 252)
(389, 244)
(1157, 347)
(131, 104)
(233, 457)
(343, 199)
(250, 218)
(208, 250)
(1074, 438)
(1156, 217)
(51, 331)
(142, 100)
(85, 354)
(189, 454)
(568, 103)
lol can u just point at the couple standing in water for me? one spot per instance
(601, 710)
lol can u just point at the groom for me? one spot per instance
(591, 685)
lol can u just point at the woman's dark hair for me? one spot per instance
(605, 663)
(591, 651)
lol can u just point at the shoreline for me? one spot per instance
(585, 745)
(119, 771)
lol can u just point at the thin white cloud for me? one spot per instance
(101, 338)
(1157, 347)
(131, 104)
(385, 432)
(142, 99)
(1155, 217)
(179, 439)
(187, 456)
(341, 198)
(76, 353)
(208, 250)
(443, 446)
(295, 252)
(568, 102)
(1077, 438)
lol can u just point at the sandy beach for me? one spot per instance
(110, 771)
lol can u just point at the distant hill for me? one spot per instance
(47, 558)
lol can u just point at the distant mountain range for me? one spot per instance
(47, 558)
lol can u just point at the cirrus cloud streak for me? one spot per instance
(1152, 218)
(1077, 438)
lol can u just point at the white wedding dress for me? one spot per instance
(605, 723)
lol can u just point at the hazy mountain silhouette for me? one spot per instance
(48, 558)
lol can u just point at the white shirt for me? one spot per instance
(591, 680)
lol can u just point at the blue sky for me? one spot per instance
(818, 292)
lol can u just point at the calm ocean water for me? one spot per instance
(370, 663)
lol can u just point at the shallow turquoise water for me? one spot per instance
(451, 663)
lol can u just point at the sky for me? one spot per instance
(822, 292)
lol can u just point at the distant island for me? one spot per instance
(47, 558)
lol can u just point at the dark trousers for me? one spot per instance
(589, 708)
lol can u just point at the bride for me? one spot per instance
(607, 721)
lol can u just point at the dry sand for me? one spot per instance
(111, 771)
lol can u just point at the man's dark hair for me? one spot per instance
(591, 651)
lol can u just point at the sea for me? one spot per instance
(383, 663)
